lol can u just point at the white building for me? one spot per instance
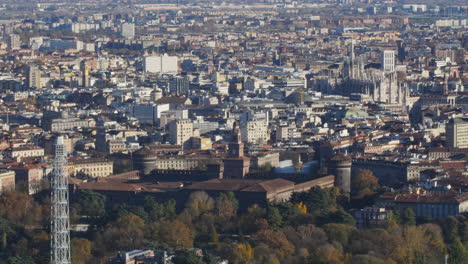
(128, 30)
(82, 27)
(254, 132)
(388, 60)
(161, 64)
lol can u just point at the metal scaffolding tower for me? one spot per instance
(60, 225)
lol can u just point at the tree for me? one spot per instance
(248, 221)
(339, 233)
(267, 167)
(364, 183)
(125, 209)
(226, 205)
(21, 209)
(6, 229)
(80, 250)
(198, 203)
(242, 253)
(457, 252)
(306, 237)
(91, 203)
(20, 260)
(214, 235)
(340, 216)
(176, 234)
(316, 199)
(275, 220)
(276, 240)
(408, 217)
(186, 257)
(365, 179)
(301, 207)
(328, 255)
(129, 231)
(158, 211)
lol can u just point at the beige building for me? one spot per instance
(27, 151)
(90, 167)
(457, 133)
(178, 163)
(62, 124)
(180, 131)
(264, 159)
(34, 77)
(7, 180)
(287, 133)
(254, 132)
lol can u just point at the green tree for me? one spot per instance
(316, 199)
(20, 260)
(340, 216)
(408, 217)
(458, 254)
(91, 203)
(186, 257)
(339, 233)
(275, 220)
(158, 211)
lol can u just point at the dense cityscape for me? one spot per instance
(241, 132)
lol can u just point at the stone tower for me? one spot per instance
(340, 166)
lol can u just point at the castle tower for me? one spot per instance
(236, 165)
(340, 166)
(236, 147)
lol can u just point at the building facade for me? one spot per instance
(457, 133)
(7, 180)
(180, 131)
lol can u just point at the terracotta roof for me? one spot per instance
(242, 185)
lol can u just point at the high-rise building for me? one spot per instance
(161, 64)
(457, 132)
(33, 77)
(388, 60)
(179, 85)
(14, 42)
(85, 82)
(180, 131)
(254, 131)
(128, 30)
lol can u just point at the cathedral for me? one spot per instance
(384, 85)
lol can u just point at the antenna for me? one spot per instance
(60, 225)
